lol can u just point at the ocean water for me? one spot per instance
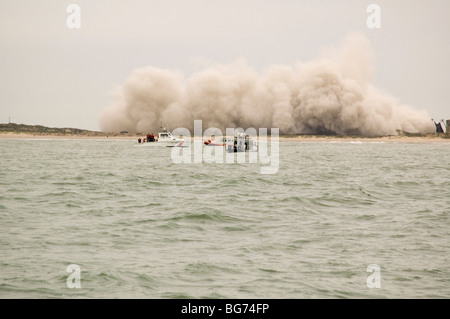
(138, 225)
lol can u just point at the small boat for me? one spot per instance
(213, 142)
(165, 138)
(209, 143)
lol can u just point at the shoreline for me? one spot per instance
(294, 138)
(11, 135)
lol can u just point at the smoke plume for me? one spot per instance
(331, 95)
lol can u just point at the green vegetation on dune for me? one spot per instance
(43, 130)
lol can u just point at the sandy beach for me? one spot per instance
(295, 138)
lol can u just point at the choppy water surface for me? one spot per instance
(140, 226)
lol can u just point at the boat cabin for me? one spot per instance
(164, 134)
(241, 143)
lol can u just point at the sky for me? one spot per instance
(58, 76)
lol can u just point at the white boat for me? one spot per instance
(165, 138)
(212, 141)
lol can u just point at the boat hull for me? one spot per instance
(171, 143)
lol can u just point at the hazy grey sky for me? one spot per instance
(56, 76)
